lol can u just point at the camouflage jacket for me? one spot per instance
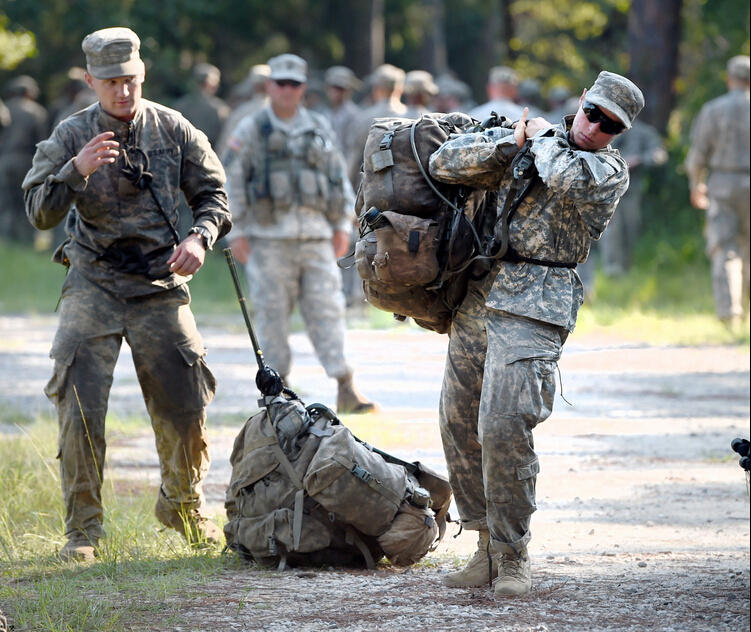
(288, 181)
(570, 203)
(720, 139)
(106, 209)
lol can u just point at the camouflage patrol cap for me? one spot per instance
(206, 72)
(387, 76)
(503, 74)
(342, 77)
(450, 86)
(288, 66)
(419, 82)
(112, 52)
(23, 85)
(619, 95)
(739, 68)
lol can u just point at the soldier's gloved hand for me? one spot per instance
(189, 256)
(99, 151)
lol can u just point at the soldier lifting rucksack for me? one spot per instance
(418, 237)
(305, 490)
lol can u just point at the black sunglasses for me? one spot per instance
(287, 83)
(596, 115)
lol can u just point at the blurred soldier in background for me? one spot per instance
(419, 91)
(641, 148)
(28, 125)
(341, 82)
(718, 171)
(288, 191)
(530, 96)
(453, 95)
(201, 106)
(502, 90)
(386, 88)
(249, 97)
(76, 96)
(560, 102)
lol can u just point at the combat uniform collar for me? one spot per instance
(122, 129)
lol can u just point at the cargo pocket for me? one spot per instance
(201, 385)
(532, 385)
(524, 494)
(63, 353)
(280, 189)
(407, 250)
(308, 187)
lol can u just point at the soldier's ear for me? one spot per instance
(584, 94)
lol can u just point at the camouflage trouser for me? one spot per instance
(499, 383)
(283, 272)
(175, 382)
(727, 235)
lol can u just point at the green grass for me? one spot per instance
(139, 567)
(666, 298)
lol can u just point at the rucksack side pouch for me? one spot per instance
(407, 250)
(355, 483)
(410, 536)
(273, 534)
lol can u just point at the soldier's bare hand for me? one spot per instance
(100, 150)
(699, 197)
(535, 125)
(240, 249)
(341, 243)
(188, 257)
(520, 128)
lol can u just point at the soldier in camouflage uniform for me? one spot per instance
(507, 335)
(201, 106)
(287, 188)
(28, 125)
(642, 149)
(718, 171)
(386, 88)
(419, 91)
(116, 171)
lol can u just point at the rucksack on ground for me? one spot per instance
(304, 490)
(418, 236)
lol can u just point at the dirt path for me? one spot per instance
(643, 519)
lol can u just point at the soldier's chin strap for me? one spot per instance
(135, 169)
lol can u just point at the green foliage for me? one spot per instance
(15, 44)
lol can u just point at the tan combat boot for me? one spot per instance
(481, 568)
(79, 548)
(197, 530)
(349, 400)
(514, 574)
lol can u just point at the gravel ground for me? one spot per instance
(643, 520)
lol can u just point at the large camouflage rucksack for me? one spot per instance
(418, 237)
(304, 490)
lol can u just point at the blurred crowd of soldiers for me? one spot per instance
(350, 104)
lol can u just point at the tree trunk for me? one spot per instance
(363, 34)
(654, 28)
(434, 56)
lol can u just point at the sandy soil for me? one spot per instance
(643, 520)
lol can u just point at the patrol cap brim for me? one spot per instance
(125, 69)
(604, 102)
